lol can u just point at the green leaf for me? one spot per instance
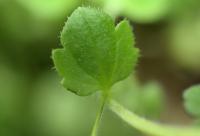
(96, 54)
(75, 79)
(192, 100)
(126, 55)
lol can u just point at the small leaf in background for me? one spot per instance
(142, 11)
(192, 100)
(146, 11)
(184, 49)
(153, 99)
(146, 100)
(49, 9)
(96, 54)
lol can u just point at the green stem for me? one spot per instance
(99, 115)
(149, 127)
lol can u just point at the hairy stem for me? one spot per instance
(149, 127)
(99, 115)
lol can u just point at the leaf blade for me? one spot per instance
(192, 100)
(126, 54)
(75, 79)
(100, 51)
(95, 47)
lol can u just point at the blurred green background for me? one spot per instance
(32, 101)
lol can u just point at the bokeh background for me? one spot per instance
(32, 101)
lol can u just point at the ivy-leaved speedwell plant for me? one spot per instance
(96, 54)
